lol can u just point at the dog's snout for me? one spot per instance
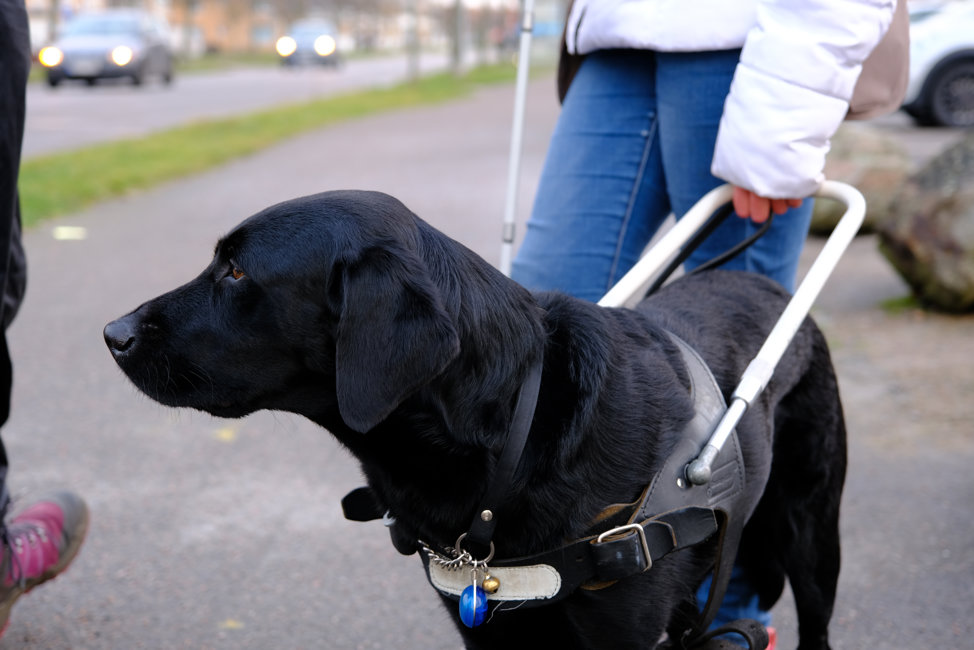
(120, 335)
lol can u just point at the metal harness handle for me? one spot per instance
(758, 373)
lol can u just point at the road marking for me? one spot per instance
(70, 233)
(231, 624)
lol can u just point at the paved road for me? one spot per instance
(228, 534)
(74, 115)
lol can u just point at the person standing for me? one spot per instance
(664, 100)
(672, 99)
(38, 542)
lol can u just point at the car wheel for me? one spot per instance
(53, 81)
(951, 96)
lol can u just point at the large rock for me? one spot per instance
(866, 158)
(929, 233)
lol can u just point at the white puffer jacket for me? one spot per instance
(799, 64)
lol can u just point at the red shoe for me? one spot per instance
(38, 544)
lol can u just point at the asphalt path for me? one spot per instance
(74, 115)
(210, 533)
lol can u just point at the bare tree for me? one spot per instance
(53, 18)
(412, 40)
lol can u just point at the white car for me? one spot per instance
(941, 88)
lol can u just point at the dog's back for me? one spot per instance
(793, 531)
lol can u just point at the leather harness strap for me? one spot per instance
(482, 527)
(672, 514)
(618, 553)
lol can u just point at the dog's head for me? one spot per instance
(328, 294)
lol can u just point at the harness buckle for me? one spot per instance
(620, 530)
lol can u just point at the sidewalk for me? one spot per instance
(210, 533)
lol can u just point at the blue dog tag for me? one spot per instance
(473, 606)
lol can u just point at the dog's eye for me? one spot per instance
(233, 271)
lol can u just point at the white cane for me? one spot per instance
(514, 164)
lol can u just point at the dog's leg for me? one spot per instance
(795, 530)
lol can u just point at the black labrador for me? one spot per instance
(348, 309)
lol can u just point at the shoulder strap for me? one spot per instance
(726, 487)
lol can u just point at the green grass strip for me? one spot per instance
(900, 305)
(64, 183)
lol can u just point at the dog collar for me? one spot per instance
(671, 514)
(481, 530)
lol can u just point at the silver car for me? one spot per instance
(113, 43)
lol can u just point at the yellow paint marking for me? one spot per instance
(70, 233)
(231, 624)
(226, 434)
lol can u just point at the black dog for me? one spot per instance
(348, 309)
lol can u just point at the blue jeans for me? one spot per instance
(633, 143)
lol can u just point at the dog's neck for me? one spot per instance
(440, 447)
(432, 473)
(430, 461)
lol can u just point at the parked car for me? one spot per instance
(309, 41)
(941, 87)
(110, 44)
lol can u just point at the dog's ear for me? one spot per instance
(393, 335)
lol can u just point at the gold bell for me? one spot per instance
(490, 584)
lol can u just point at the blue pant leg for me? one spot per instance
(740, 601)
(633, 124)
(692, 88)
(600, 198)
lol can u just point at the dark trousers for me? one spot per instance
(14, 70)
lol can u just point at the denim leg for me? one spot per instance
(692, 88)
(601, 194)
(740, 601)
(636, 136)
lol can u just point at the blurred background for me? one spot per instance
(208, 27)
(155, 127)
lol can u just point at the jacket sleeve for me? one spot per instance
(791, 91)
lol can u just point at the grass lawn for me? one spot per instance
(62, 183)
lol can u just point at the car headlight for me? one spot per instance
(50, 56)
(324, 45)
(122, 55)
(286, 46)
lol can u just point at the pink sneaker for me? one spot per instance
(772, 638)
(37, 544)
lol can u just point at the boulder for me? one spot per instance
(864, 157)
(928, 235)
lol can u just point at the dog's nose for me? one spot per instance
(119, 335)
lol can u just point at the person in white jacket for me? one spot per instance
(673, 98)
